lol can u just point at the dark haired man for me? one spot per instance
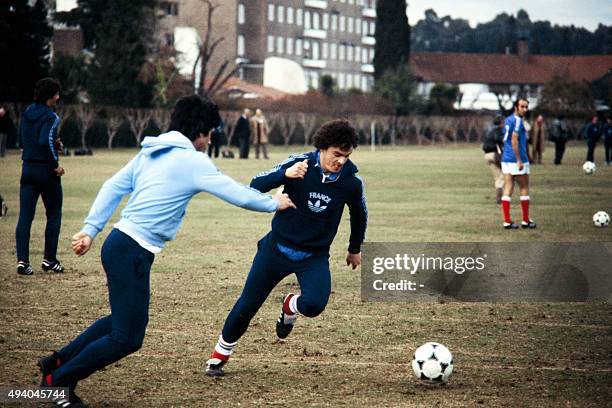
(515, 164)
(40, 176)
(320, 183)
(161, 180)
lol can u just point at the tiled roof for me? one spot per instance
(506, 68)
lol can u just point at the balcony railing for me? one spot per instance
(319, 4)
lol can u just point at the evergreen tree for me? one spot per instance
(392, 36)
(24, 48)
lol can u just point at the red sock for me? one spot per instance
(525, 208)
(48, 380)
(286, 307)
(505, 201)
(220, 356)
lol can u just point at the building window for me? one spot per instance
(371, 55)
(280, 14)
(358, 26)
(325, 21)
(372, 27)
(342, 23)
(289, 15)
(298, 46)
(349, 52)
(307, 53)
(325, 50)
(349, 80)
(170, 8)
(334, 22)
(364, 27)
(351, 22)
(299, 16)
(342, 52)
(240, 45)
(333, 49)
(307, 20)
(280, 45)
(316, 21)
(270, 43)
(270, 12)
(364, 84)
(315, 50)
(364, 56)
(289, 46)
(241, 14)
(341, 78)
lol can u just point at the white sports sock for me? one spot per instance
(223, 347)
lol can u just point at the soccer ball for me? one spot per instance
(601, 219)
(432, 363)
(589, 167)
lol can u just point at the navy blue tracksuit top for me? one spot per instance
(313, 225)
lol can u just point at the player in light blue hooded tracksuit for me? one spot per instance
(161, 180)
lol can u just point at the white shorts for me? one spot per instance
(512, 168)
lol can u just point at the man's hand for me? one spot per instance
(81, 242)
(283, 201)
(59, 171)
(353, 260)
(59, 146)
(520, 164)
(298, 170)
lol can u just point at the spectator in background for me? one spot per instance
(216, 139)
(40, 175)
(607, 136)
(3, 131)
(492, 147)
(259, 133)
(558, 134)
(592, 132)
(242, 132)
(538, 132)
(3, 207)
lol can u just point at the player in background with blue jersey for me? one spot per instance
(515, 164)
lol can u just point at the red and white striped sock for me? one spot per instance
(505, 202)
(223, 349)
(290, 304)
(525, 208)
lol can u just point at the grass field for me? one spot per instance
(355, 353)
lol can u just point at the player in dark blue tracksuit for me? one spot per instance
(40, 175)
(319, 183)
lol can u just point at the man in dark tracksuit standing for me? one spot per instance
(40, 175)
(320, 183)
(592, 134)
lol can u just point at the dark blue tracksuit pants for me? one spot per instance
(39, 180)
(113, 337)
(269, 267)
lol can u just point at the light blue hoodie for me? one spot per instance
(162, 179)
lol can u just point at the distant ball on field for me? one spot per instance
(601, 219)
(589, 167)
(433, 363)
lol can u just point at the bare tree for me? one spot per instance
(86, 116)
(206, 51)
(139, 120)
(161, 118)
(113, 122)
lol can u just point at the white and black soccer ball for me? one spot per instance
(589, 167)
(601, 219)
(432, 363)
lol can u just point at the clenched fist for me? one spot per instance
(298, 170)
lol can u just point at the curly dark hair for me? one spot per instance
(193, 115)
(45, 89)
(337, 133)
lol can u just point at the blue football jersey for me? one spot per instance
(514, 124)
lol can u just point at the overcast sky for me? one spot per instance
(584, 13)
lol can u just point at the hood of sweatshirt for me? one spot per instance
(36, 111)
(165, 141)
